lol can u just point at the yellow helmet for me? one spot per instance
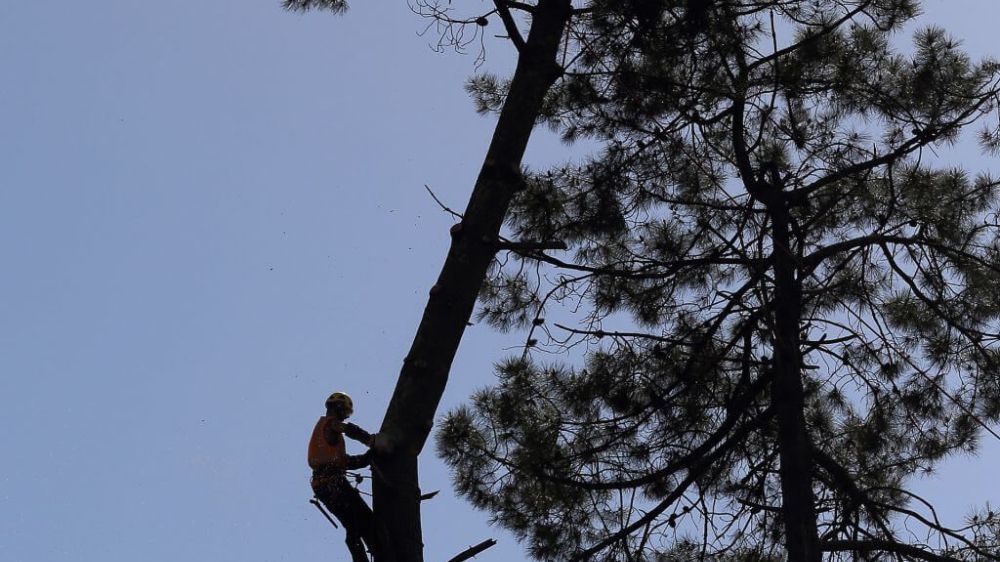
(343, 400)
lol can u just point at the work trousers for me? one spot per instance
(345, 503)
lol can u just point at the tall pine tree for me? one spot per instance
(785, 306)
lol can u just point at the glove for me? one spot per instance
(380, 444)
(359, 461)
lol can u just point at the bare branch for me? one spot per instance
(473, 550)
(503, 9)
(872, 545)
(444, 207)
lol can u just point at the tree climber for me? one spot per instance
(329, 460)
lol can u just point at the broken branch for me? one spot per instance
(473, 550)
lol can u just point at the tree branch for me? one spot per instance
(694, 473)
(813, 260)
(871, 545)
(503, 9)
(473, 550)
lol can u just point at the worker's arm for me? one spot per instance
(376, 442)
(358, 434)
(355, 462)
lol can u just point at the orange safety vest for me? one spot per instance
(326, 447)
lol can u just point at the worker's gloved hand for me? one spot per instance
(380, 444)
(366, 457)
(355, 462)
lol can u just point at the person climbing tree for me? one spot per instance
(329, 460)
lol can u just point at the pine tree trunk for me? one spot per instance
(421, 382)
(798, 502)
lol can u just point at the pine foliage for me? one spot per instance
(759, 161)
(335, 6)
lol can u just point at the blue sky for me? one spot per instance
(212, 214)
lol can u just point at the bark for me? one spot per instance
(410, 414)
(798, 506)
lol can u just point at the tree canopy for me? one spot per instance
(778, 306)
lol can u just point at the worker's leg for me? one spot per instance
(362, 519)
(330, 491)
(356, 548)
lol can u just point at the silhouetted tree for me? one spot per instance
(475, 242)
(779, 306)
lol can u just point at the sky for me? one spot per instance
(212, 215)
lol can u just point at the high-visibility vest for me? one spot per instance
(326, 447)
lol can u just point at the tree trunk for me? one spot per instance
(421, 382)
(798, 506)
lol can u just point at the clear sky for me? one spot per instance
(212, 215)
